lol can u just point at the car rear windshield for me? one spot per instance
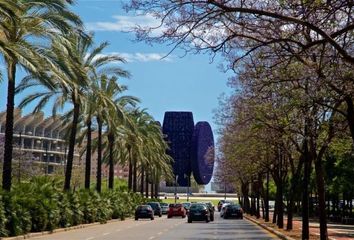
(197, 207)
(163, 204)
(144, 207)
(233, 206)
(153, 205)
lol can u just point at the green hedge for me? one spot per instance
(41, 205)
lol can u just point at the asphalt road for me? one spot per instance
(166, 229)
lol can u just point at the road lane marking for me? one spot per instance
(151, 237)
(90, 238)
(118, 230)
(105, 234)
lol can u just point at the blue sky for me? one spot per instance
(190, 83)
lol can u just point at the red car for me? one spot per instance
(176, 210)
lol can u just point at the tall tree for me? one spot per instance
(21, 22)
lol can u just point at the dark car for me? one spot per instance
(233, 211)
(176, 210)
(211, 210)
(164, 208)
(144, 211)
(198, 212)
(156, 207)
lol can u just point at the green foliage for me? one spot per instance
(41, 205)
(77, 216)
(87, 202)
(3, 220)
(65, 211)
(18, 217)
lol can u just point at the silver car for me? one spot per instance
(164, 208)
(222, 210)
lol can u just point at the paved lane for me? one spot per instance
(167, 229)
(222, 229)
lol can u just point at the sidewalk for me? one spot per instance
(335, 231)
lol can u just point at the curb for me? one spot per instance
(38, 234)
(269, 229)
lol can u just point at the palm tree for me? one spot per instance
(112, 112)
(75, 62)
(149, 147)
(20, 22)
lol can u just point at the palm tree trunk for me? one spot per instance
(147, 184)
(152, 189)
(7, 165)
(111, 162)
(88, 156)
(70, 160)
(99, 157)
(134, 176)
(156, 189)
(130, 175)
(142, 181)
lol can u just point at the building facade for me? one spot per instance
(41, 138)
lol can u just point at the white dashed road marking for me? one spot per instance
(105, 234)
(90, 238)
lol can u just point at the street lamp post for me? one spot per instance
(225, 189)
(65, 160)
(188, 182)
(47, 161)
(267, 199)
(176, 178)
(19, 159)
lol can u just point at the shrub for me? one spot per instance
(75, 205)
(18, 217)
(65, 211)
(3, 220)
(40, 204)
(88, 206)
